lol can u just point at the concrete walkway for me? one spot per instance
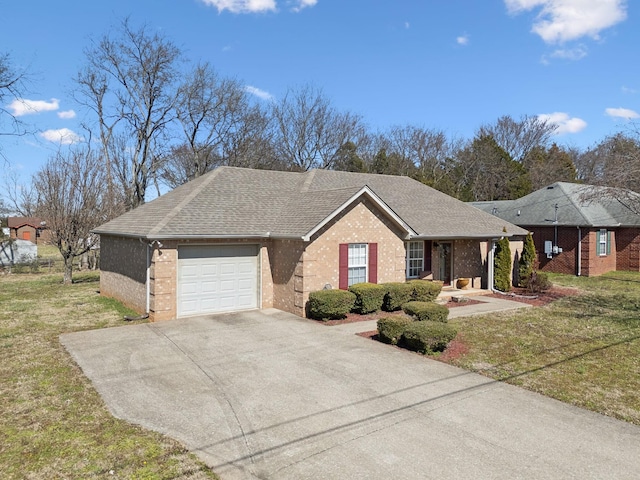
(268, 395)
(488, 305)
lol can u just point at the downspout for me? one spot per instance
(490, 266)
(579, 252)
(149, 246)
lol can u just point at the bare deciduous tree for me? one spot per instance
(613, 165)
(309, 131)
(129, 83)
(518, 137)
(11, 86)
(71, 197)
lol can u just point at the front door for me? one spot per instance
(444, 257)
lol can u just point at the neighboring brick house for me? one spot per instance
(238, 238)
(577, 229)
(28, 228)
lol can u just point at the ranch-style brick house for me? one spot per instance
(577, 229)
(239, 238)
(28, 228)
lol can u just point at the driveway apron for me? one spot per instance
(268, 395)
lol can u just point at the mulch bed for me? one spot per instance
(538, 299)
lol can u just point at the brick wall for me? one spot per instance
(467, 260)
(594, 264)
(287, 275)
(591, 264)
(123, 271)
(628, 249)
(362, 223)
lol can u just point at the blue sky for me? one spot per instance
(451, 65)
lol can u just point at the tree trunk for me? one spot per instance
(67, 278)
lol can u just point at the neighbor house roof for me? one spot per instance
(17, 222)
(577, 205)
(238, 202)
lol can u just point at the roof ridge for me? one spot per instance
(310, 174)
(579, 208)
(178, 207)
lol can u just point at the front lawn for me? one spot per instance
(582, 349)
(53, 423)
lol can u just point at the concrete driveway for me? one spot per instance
(265, 394)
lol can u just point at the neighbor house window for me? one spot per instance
(415, 259)
(357, 263)
(604, 242)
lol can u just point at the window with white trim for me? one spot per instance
(415, 258)
(357, 263)
(602, 243)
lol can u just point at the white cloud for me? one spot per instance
(257, 6)
(628, 90)
(243, 6)
(576, 53)
(565, 123)
(300, 4)
(63, 136)
(625, 113)
(463, 39)
(67, 114)
(24, 106)
(407, 25)
(258, 92)
(563, 20)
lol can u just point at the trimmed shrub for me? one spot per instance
(396, 295)
(427, 311)
(369, 297)
(390, 328)
(502, 265)
(330, 304)
(427, 337)
(425, 290)
(538, 282)
(527, 260)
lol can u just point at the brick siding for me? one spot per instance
(123, 271)
(628, 249)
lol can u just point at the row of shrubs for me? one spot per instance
(365, 298)
(412, 333)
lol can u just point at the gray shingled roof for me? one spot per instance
(239, 202)
(578, 205)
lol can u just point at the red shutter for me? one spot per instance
(373, 263)
(343, 268)
(427, 255)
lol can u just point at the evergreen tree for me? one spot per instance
(502, 265)
(527, 261)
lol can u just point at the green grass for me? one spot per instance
(53, 423)
(583, 349)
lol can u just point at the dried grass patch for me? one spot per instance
(54, 424)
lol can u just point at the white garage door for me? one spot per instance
(217, 278)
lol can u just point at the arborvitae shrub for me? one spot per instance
(502, 265)
(527, 261)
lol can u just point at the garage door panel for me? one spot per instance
(217, 278)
